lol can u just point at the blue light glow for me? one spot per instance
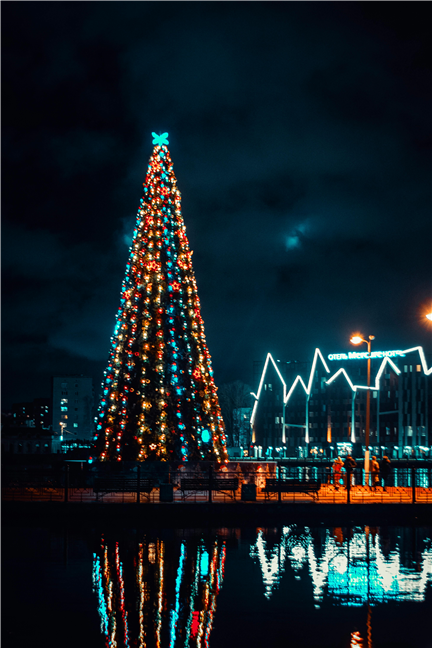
(160, 140)
(204, 564)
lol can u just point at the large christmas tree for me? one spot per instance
(159, 398)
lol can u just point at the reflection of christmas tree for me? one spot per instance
(159, 398)
(172, 598)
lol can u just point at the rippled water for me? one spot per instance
(293, 585)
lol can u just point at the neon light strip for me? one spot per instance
(316, 354)
(426, 371)
(354, 388)
(260, 388)
(341, 371)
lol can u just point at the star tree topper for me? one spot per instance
(159, 140)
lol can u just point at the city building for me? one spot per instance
(242, 427)
(73, 407)
(34, 414)
(321, 410)
(23, 439)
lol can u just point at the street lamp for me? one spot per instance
(429, 316)
(357, 339)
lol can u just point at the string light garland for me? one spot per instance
(159, 400)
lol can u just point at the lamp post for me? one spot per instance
(357, 339)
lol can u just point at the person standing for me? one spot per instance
(375, 470)
(337, 468)
(385, 470)
(349, 465)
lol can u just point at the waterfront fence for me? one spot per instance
(232, 483)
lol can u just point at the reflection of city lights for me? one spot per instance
(152, 553)
(172, 609)
(175, 612)
(352, 572)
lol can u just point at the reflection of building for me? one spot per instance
(154, 603)
(73, 402)
(350, 571)
(321, 407)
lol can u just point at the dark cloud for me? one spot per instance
(300, 135)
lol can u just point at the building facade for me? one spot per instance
(321, 410)
(26, 440)
(242, 427)
(73, 407)
(34, 414)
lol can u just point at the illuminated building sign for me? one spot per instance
(356, 355)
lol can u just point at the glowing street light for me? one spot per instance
(429, 316)
(357, 339)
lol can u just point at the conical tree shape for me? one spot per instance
(159, 398)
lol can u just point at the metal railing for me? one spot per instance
(229, 484)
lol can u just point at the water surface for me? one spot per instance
(291, 585)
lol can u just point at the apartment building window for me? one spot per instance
(64, 385)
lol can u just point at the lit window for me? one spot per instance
(63, 401)
(75, 424)
(63, 409)
(418, 367)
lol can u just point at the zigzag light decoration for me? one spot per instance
(307, 389)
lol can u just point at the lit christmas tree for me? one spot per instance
(159, 398)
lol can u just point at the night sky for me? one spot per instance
(300, 134)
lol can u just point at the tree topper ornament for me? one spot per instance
(160, 140)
